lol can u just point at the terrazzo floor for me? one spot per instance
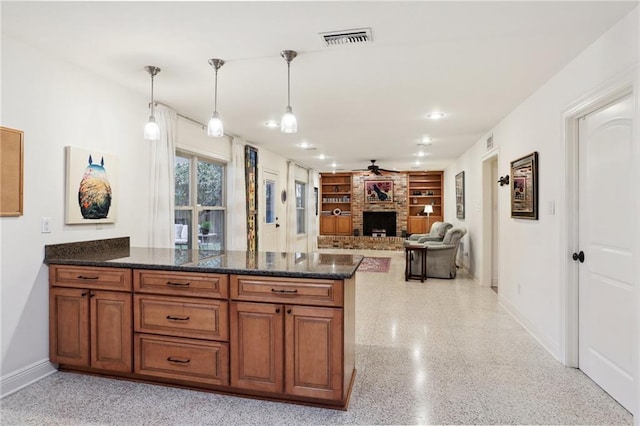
(438, 352)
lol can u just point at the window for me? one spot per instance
(270, 201)
(199, 200)
(301, 206)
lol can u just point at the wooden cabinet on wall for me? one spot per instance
(290, 336)
(424, 188)
(335, 204)
(90, 317)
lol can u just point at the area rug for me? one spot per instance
(375, 264)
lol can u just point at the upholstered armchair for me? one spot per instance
(441, 256)
(437, 233)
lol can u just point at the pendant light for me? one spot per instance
(215, 128)
(151, 130)
(288, 124)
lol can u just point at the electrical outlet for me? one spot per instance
(45, 225)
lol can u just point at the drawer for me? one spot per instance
(90, 277)
(182, 359)
(287, 290)
(181, 283)
(181, 317)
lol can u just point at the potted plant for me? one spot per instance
(205, 227)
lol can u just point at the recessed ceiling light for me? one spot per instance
(421, 154)
(436, 115)
(425, 141)
(334, 165)
(272, 124)
(322, 157)
(306, 145)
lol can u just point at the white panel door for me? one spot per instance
(270, 219)
(607, 331)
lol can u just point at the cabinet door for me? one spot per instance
(69, 326)
(417, 225)
(111, 331)
(327, 225)
(313, 351)
(343, 225)
(257, 346)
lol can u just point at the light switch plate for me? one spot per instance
(45, 225)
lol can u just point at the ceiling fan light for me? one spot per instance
(288, 124)
(152, 130)
(214, 127)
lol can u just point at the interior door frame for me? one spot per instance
(615, 89)
(487, 215)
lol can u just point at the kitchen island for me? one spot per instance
(268, 325)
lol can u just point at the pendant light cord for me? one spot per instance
(152, 95)
(289, 84)
(215, 94)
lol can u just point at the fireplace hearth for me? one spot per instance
(379, 224)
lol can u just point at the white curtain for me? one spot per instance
(312, 219)
(292, 231)
(237, 200)
(161, 191)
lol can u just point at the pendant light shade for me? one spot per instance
(151, 129)
(215, 127)
(289, 123)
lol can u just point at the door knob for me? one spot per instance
(277, 225)
(578, 256)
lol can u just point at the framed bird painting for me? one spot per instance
(378, 191)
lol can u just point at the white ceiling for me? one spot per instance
(475, 61)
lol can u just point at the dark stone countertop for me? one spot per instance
(117, 254)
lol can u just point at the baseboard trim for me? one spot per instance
(548, 345)
(22, 378)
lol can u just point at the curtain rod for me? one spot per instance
(182, 115)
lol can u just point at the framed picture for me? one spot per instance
(11, 171)
(460, 195)
(315, 198)
(524, 187)
(378, 191)
(92, 193)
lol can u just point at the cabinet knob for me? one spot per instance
(277, 310)
(288, 311)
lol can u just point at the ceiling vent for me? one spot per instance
(337, 38)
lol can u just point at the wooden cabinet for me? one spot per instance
(181, 326)
(289, 337)
(188, 360)
(88, 326)
(335, 204)
(424, 188)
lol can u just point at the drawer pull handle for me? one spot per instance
(178, 361)
(274, 290)
(82, 277)
(187, 284)
(169, 317)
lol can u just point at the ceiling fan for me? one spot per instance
(376, 170)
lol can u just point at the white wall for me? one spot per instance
(529, 250)
(57, 104)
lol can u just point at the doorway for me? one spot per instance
(271, 228)
(490, 222)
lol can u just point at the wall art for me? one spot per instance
(378, 191)
(11, 171)
(460, 195)
(524, 187)
(92, 192)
